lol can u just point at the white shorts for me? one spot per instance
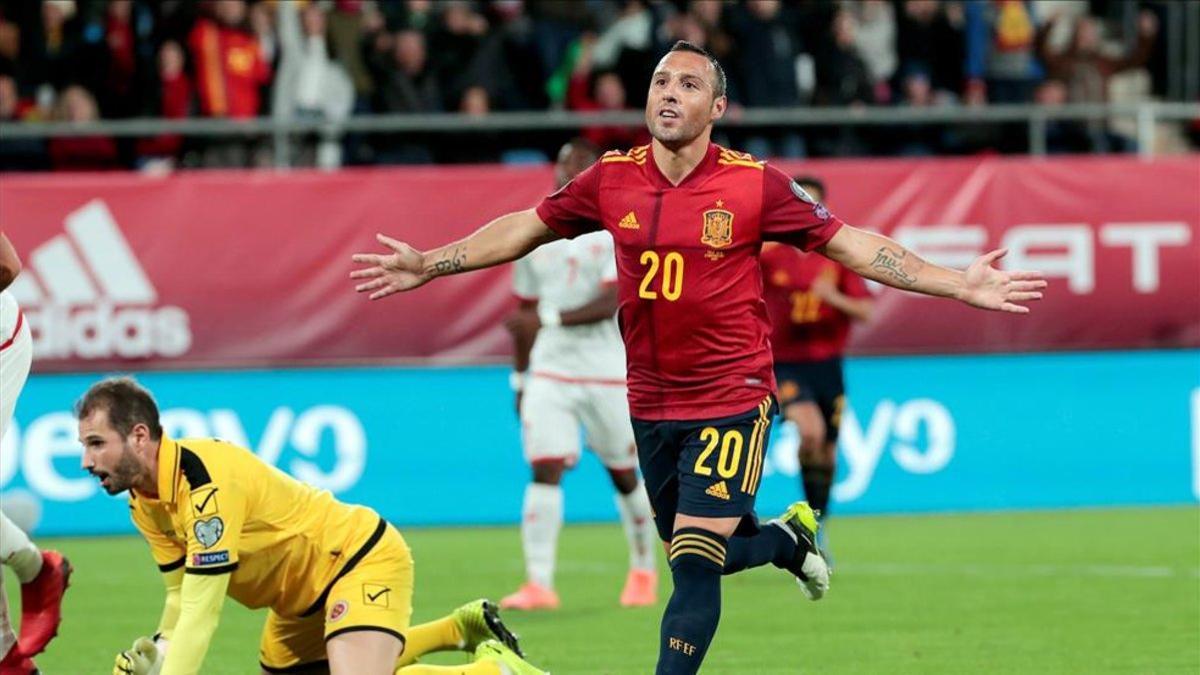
(16, 355)
(552, 412)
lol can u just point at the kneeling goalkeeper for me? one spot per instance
(337, 578)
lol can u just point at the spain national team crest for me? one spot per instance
(718, 228)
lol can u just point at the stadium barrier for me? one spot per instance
(440, 446)
(238, 269)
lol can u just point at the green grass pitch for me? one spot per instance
(1095, 591)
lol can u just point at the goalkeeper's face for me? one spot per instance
(116, 460)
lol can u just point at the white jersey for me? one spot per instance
(8, 316)
(565, 275)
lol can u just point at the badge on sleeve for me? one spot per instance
(802, 194)
(208, 532)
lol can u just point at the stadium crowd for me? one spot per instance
(81, 60)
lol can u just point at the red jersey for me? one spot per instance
(229, 69)
(691, 308)
(804, 328)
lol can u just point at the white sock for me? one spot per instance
(639, 527)
(542, 518)
(18, 552)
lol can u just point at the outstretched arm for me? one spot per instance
(877, 257)
(503, 240)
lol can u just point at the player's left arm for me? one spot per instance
(877, 257)
(200, 609)
(216, 508)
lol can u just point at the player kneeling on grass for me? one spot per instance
(337, 578)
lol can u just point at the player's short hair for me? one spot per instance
(719, 82)
(812, 181)
(126, 402)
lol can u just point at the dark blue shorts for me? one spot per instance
(818, 382)
(709, 468)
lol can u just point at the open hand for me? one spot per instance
(400, 270)
(989, 288)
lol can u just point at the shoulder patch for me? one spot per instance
(193, 469)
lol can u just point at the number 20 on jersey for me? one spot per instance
(668, 284)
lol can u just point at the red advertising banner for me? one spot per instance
(250, 268)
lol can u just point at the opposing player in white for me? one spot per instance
(43, 574)
(573, 378)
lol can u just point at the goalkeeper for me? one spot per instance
(337, 578)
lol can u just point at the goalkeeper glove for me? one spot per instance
(143, 658)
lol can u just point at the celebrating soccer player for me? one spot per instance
(574, 376)
(700, 379)
(43, 574)
(337, 578)
(811, 301)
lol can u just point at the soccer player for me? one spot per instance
(337, 578)
(811, 301)
(43, 574)
(699, 366)
(574, 375)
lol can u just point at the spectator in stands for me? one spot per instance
(1002, 64)
(404, 83)
(404, 80)
(230, 71)
(453, 48)
(843, 80)
(599, 91)
(767, 44)
(82, 153)
(309, 84)
(17, 154)
(1086, 70)
(229, 62)
(49, 48)
(175, 97)
(917, 140)
(875, 42)
(1062, 136)
(627, 47)
(929, 38)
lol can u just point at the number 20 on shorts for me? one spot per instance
(671, 266)
(730, 457)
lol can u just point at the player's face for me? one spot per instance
(682, 102)
(108, 456)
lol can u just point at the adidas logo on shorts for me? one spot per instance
(718, 490)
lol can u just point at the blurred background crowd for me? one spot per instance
(82, 60)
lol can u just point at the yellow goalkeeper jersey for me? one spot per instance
(220, 509)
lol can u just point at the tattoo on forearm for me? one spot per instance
(452, 260)
(897, 265)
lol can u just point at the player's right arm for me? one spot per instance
(10, 262)
(569, 212)
(503, 240)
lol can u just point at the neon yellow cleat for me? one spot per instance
(809, 566)
(508, 660)
(478, 621)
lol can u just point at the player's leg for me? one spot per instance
(550, 434)
(44, 577)
(293, 645)
(491, 658)
(368, 610)
(816, 474)
(464, 629)
(719, 465)
(605, 417)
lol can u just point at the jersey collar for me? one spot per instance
(702, 169)
(168, 469)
